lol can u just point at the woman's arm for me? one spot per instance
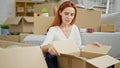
(46, 46)
(51, 49)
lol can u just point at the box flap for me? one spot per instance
(29, 19)
(24, 57)
(103, 61)
(66, 46)
(95, 49)
(13, 20)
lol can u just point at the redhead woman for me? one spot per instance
(63, 27)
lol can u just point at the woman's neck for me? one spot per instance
(65, 26)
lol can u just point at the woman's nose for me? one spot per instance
(69, 16)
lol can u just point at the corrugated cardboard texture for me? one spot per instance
(108, 27)
(88, 19)
(41, 24)
(23, 57)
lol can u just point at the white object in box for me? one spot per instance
(83, 30)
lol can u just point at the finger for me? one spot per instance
(97, 44)
(58, 53)
(52, 51)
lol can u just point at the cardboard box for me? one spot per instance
(108, 27)
(26, 56)
(90, 57)
(41, 24)
(117, 65)
(87, 18)
(21, 24)
(14, 38)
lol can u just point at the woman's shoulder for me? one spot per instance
(75, 26)
(53, 28)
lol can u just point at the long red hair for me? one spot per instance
(58, 20)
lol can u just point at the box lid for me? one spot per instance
(29, 19)
(66, 46)
(95, 49)
(103, 61)
(23, 57)
(13, 20)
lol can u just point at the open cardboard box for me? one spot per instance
(89, 57)
(25, 56)
(21, 24)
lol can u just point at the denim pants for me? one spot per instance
(51, 61)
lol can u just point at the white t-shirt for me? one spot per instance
(55, 34)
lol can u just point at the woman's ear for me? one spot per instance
(60, 12)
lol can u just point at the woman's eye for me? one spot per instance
(66, 13)
(72, 14)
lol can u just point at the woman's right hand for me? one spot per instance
(52, 50)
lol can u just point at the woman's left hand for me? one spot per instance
(97, 44)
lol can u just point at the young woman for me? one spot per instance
(62, 28)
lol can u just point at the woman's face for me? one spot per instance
(67, 15)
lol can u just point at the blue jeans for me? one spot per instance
(51, 61)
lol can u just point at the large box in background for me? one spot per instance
(23, 56)
(87, 18)
(21, 24)
(108, 27)
(41, 23)
(90, 56)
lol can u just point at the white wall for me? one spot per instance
(6, 9)
(116, 6)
